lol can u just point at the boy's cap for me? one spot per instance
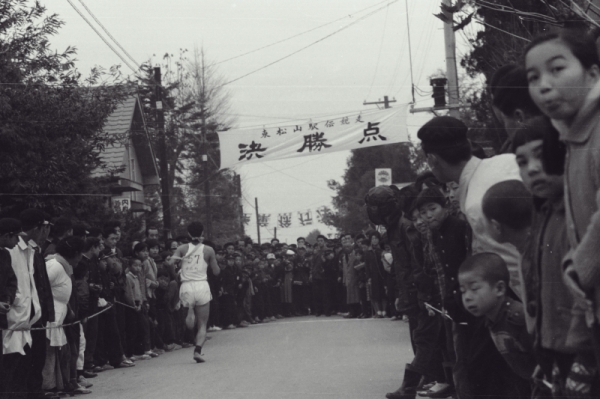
(10, 226)
(34, 217)
(270, 256)
(290, 252)
(106, 255)
(429, 195)
(230, 257)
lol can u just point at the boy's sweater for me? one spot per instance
(133, 293)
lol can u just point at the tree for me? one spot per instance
(50, 118)
(194, 102)
(349, 213)
(311, 238)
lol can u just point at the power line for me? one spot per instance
(108, 33)
(311, 44)
(296, 35)
(380, 48)
(102, 37)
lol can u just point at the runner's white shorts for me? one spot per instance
(194, 293)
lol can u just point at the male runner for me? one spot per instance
(194, 293)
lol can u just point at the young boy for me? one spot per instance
(133, 298)
(484, 281)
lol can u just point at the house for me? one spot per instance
(129, 162)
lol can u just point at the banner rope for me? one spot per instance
(109, 306)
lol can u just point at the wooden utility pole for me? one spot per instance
(237, 180)
(450, 47)
(257, 221)
(453, 106)
(386, 102)
(275, 232)
(207, 215)
(162, 153)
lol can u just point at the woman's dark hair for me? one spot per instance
(581, 43)
(70, 247)
(139, 247)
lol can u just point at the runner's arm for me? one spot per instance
(178, 255)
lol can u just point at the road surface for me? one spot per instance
(303, 357)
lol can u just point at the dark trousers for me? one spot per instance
(90, 329)
(300, 298)
(21, 375)
(340, 297)
(73, 339)
(214, 317)
(228, 310)
(13, 374)
(165, 325)
(258, 303)
(108, 348)
(480, 370)
(138, 339)
(429, 341)
(321, 294)
(275, 299)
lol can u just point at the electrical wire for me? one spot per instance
(108, 33)
(412, 81)
(102, 37)
(501, 30)
(379, 53)
(310, 45)
(298, 34)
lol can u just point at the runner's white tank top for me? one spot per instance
(193, 266)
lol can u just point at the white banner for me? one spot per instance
(342, 133)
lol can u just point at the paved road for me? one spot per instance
(304, 357)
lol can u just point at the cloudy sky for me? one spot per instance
(360, 52)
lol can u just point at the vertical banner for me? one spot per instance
(284, 220)
(383, 177)
(341, 133)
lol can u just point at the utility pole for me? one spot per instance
(206, 176)
(237, 180)
(275, 232)
(162, 153)
(450, 45)
(386, 102)
(257, 221)
(447, 17)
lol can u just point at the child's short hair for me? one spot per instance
(429, 195)
(509, 203)
(490, 266)
(553, 151)
(139, 247)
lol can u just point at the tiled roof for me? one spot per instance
(117, 123)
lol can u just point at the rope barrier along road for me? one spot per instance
(110, 305)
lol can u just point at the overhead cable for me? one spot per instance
(310, 45)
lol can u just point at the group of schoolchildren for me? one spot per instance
(499, 256)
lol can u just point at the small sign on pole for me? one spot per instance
(383, 177)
